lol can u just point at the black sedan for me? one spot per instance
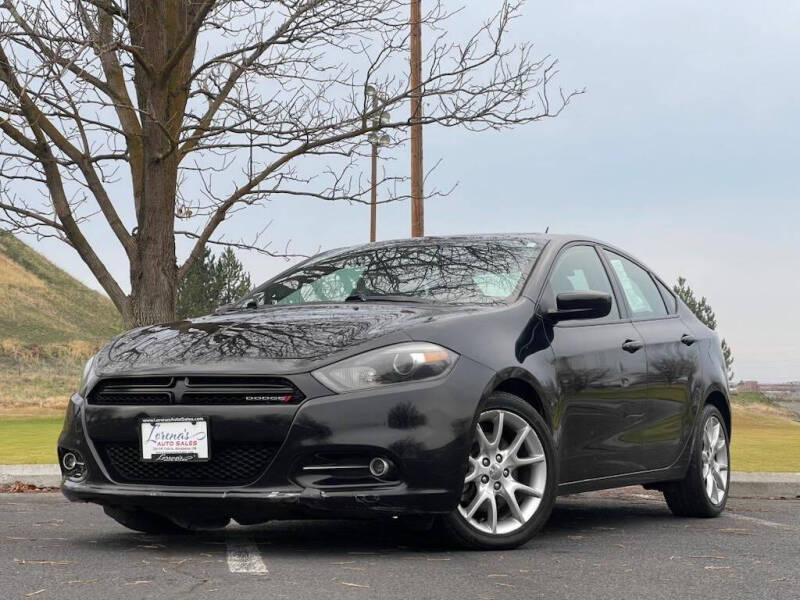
(466, 381)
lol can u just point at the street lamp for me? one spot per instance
(376, 139)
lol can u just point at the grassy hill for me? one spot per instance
(49, 324)
(41, 304)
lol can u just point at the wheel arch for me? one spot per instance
(718, 399)
(521, 383)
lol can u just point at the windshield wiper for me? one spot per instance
(362, 297)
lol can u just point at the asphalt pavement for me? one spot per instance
(622, 544)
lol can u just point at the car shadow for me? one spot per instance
(571, 515)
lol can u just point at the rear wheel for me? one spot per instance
(143, 521)
(509, 488)
(704, 490)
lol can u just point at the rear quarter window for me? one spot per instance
(669, 298)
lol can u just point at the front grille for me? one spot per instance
(195, 390)
(230, 464)
(128, 398)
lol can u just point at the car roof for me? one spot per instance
(541, 238)
(536, 236)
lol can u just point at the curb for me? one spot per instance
(38, 475)
(743, 485)
(765, 485)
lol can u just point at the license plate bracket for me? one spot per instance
(174, 439)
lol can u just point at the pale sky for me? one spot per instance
(683, 151)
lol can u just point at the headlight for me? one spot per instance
(87, 371)
(415, 361)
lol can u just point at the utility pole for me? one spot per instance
(378, 117)
(417, 208)
(373, 204)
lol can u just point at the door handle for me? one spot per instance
(632, 346)
(688, 339)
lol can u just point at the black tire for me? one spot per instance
(460, 532)
(144, 522)
(688, 497)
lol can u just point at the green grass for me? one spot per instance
(764, 440)
(29, 440)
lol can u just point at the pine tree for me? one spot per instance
(702, 309)
(210, 283)
(232, 280)
(195, 296)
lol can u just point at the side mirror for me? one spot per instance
(222, 309)
(580, 305)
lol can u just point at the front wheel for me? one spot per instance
(509, 489)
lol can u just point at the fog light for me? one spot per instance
(379, 467)
(70, 461)
(73, 465)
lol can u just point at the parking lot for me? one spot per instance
(617, 544)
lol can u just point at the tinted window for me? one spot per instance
(644, 299)
(579, 269)
(668, 296)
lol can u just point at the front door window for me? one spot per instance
(579, 269)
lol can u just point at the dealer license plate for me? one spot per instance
(174, 439)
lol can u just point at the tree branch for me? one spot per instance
(38, 122)
(236, 74)
(52, 56)
(30, 214)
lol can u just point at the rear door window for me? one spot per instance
(640, 291)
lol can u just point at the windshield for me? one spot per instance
(482, 271)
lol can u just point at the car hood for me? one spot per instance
(268, 341)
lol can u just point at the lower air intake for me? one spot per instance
(231, 464)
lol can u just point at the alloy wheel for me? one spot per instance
(715, 461)
(507, 474)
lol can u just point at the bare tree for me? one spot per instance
(112, 108)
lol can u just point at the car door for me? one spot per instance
(601, 376)
(671, 361)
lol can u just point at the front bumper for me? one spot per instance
(424, 429)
